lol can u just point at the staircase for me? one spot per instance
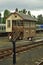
(16, 35)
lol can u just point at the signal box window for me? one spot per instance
(14, 22)
(8, 23)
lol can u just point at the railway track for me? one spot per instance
(8, 51)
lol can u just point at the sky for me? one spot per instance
(35, 6)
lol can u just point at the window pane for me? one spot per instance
(32, 24)
(26, 23)
(17, 22)
(13, 22)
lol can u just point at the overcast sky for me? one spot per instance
(36, 6)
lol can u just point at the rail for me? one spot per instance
(8, 51)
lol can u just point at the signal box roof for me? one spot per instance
(24, 16)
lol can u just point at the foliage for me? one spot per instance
(20, 11)
(0, 17)
(29, 13)
(24, 11)
(3, 20)
(6, 14)
(16, 10)
(40, 19)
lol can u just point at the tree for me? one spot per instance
(6, 14)
(16, 10)
(40, 19)
(0, 17)
(3, 20)
(33, 16)
(29, 13)
(24, 11)
(20, 11)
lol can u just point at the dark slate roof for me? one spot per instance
(27, 17)
(24, 16)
